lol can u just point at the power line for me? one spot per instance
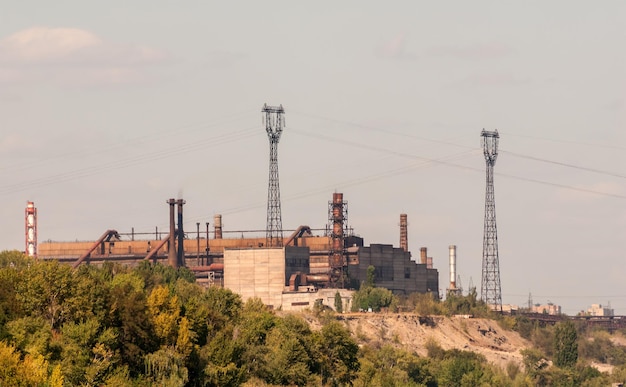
(607, 146)
(371, 128)
(378, 149)
(598, 171)
(128, 161)
(134, 141)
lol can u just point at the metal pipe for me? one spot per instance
(181, 234)
(171, 252)
(206, 259)
(106, 237)
(211, 267)
(317, 278)
(198, 241)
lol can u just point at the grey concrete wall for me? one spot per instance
(395, 270)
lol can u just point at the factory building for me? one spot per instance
(394, 270)
(300, 273)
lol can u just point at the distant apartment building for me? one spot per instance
(548, 308)
(599, 310)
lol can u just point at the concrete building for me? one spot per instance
(395, 270)
(278, 276)
(599, 310)
(548, 308)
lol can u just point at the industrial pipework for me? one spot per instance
(106, 237)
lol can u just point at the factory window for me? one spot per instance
(407, 272)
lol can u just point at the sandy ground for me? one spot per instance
(411, 332)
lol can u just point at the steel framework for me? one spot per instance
(274, 120)
(490, 288)
(337, 223)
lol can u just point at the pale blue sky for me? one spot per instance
(108, 109)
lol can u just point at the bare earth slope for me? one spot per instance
(411, 332)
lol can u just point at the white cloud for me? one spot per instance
(72, 55)
(44, 45)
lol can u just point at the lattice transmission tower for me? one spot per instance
(490, 289)
(274, 120)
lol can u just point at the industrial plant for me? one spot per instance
(292, 272)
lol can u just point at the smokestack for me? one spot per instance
(217, 224)
(404, 240)
(171, 253)
(31, 230)
(181, 234)
(452, 266)
(337, 219)
(423, 255)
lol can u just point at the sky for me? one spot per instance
(107, 109)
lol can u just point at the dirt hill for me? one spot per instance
(412, 332)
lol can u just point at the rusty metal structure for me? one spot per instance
(180, 255)
(337, 221)
(172, 259)
(31, 229)
(274, 119)
(109, 236)
(491, 292)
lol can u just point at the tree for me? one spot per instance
(565, 345)
(167, 367)
(371, 276)
(45, 289)
(337, 354)
(130, 318)
(287, 358)
(338, 303)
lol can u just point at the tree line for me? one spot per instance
(151, 324)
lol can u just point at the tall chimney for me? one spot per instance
(423, 255)
(452, 266)
(217, 224)
(181, 234)
(171, 253)
(404, 240)
(337, 235)
(31, 230)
